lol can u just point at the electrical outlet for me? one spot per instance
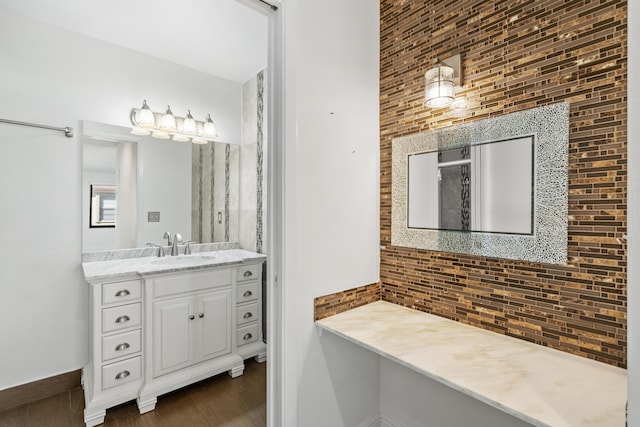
(153, 216)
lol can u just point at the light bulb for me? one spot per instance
(209, 129)
(189, 126)
(146, 119)
(160, 134)
(168, 123)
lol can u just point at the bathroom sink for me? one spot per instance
(184, 259)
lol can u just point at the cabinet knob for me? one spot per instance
(248, 273)
(122, 375)
(192, 317)
(123, 293)
(123, 346)
(123, 319)
(247, 336)
(247, 315)
(247, 294)
(201, 315)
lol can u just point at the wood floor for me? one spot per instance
(218, 401)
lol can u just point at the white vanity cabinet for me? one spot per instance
(160, 331)
(114, 373)
(194, 326)
(249, 313)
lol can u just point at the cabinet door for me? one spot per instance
(172, 340)
(214, 328)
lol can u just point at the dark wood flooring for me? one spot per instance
(218, 401)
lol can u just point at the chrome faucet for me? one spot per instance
(167, 236)
(177, 238)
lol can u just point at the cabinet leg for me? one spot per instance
(147, 404)
(94, 418)
(236, 371)
(260, 358)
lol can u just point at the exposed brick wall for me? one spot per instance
(519, 54)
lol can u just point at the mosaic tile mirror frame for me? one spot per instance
(549, 127)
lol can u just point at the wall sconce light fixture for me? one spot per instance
(441, 80)
(166, 125)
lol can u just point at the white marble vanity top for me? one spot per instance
(539, 385)
(131, 267)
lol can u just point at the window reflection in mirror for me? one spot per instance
(486, 188)
(102, 210)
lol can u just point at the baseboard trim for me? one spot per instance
(38, 390)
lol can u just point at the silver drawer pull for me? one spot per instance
(247, 315)
(247, 337)
(247, 294)
(201, 315)
(123, 319)
(122, 375)
(123, 346)
(123, 293)
(247, 274)
(192, 317)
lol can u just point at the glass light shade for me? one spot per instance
(168, 122)
(140, 132)
(199, 140)
(180, 137)
(439, 86)
(209, 129)
(160, 134)
(189, 126)
(146, 119)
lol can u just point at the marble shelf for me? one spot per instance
(542, 386)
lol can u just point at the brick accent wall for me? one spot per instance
(519, 54)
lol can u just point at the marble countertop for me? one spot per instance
(539, 385)
(140, 266)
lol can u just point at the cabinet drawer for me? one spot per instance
(247, 313)
(121, 291)
(121, 317)
(249, 272)
(122, 372)
(121, 345)
(247, 334)
(192, 282)
(247, 292)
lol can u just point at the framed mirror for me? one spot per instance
(156, 186)
(495, 187)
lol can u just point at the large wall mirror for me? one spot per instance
(495, 187)
(158, 186)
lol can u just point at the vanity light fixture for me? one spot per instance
(166, 125)
(441, 80)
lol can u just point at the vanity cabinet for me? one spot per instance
(155, 334)
(249, 313)
(190, 330)
(114, 373)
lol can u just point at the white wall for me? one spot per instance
(56, 77)
(164, 185)
(410, 399)
(331, 212)
(633, 215)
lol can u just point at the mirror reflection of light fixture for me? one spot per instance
(440, 82)
(166, 125)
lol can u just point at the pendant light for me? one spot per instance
(168, 122)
